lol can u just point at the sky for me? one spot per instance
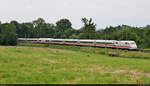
(103, 12)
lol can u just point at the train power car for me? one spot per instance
(83, 42)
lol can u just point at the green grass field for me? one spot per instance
(70, 65)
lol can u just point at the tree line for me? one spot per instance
(9, 32)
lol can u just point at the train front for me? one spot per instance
(133, 45)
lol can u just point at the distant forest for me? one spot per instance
(9, 32)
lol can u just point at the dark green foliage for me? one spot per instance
(146, 39)
(63, 29)
(88, 31)
(39, 25)
(124, 32)
(8, 34)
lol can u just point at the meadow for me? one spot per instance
(55, 64)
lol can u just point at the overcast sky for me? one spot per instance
(103, 12)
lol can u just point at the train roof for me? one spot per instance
(127, 41)
(82, 40)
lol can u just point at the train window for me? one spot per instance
(126, 43)
(47, 40)
(132, 43)
(116, 42)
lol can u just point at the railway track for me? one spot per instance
(85, 44)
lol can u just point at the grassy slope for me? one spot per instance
(121, 53)
(47, 65)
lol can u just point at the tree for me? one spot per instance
(88, 31)
(48, 30)
(38, 25)
(26, 30)
(62, 26)
(146, 41)
(18, 27)
(8, 34)
(68, 33)
(0, 26)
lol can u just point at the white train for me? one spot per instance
(98, 43)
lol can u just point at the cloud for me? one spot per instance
(103, 12)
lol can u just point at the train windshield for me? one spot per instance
(132, 43)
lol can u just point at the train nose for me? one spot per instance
(134, 46)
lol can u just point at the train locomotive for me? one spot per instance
(83, 42)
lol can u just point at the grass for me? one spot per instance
(40, 65)
(120, 53)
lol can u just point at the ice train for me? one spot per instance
(83, 42)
